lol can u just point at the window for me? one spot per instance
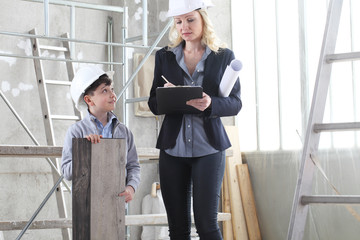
(279, 43)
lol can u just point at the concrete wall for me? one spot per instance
(25, 182)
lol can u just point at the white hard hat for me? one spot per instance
(83, 78)
(179, 7)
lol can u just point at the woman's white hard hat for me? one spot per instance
(83, 78)
(180, 7)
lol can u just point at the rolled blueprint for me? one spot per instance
(229, 78)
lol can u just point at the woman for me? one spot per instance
(192, 146)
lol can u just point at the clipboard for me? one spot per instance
(172, 100)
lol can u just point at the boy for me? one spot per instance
(92, 89)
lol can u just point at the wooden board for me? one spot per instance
(226, 208)
(130, 220)
(108, 180)
(98, 178)
(81, 188)
(248, 201)
(237, 212)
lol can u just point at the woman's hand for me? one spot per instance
(169, 84)
(200, 103)
(93, 138)
(128, 193)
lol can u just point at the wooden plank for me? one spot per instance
(40, 224)
(81, 165)
(248, 200)
(56, 151)
(29, 151)
(237, 212)
(107, 181)
(98, 178)
(226, 208)
(130, 220)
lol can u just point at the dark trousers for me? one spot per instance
(204, 175)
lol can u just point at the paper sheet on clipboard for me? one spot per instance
(229, 78)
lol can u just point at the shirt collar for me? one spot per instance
(179, 54)
(111, 117)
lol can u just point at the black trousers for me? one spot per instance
(200, 177)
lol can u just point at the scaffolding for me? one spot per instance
(53, 151)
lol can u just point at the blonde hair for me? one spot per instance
(209, 37)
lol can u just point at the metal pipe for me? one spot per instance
(82, 5)
(256, 73)
(138, 38)
(72, 31)
(279, 80)
(46, 17)
(58, 59)
(145, 57)
(124, 59)
(327, 127)
(40, 207)
(72, 40)
(110, 40)
(29, 133)
(330, 199)
(134, 100)
(145, 23)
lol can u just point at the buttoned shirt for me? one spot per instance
(105, 131)
(192, 140)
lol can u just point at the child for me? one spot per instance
(92, 89)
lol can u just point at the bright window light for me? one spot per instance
(279, 44)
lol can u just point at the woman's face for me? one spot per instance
(189, 26)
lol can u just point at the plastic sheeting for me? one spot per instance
(274, 176)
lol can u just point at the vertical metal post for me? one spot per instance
(256, 79)
(145, 23)
(354, 70)
(46, 17)
(72, 30)
(125, 61)
(304, 69)
(110, 40)
(278, 45)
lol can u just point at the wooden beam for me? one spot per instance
(248, 201)
(226, 207)
(43, 224)
(130, 220)
(237, 211)
(56, 151)
(29, 151)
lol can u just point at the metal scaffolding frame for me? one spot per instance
(72, 40)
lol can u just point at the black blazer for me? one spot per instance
(215, 65)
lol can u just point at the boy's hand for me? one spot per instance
(128, 193)
(94, 138)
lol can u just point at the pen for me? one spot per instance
(165, 79)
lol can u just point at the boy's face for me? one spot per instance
(103, 98)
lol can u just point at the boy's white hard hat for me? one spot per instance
(179, 7)
(83, 78)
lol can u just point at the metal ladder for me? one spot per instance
(48, 117)
(303, 192)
